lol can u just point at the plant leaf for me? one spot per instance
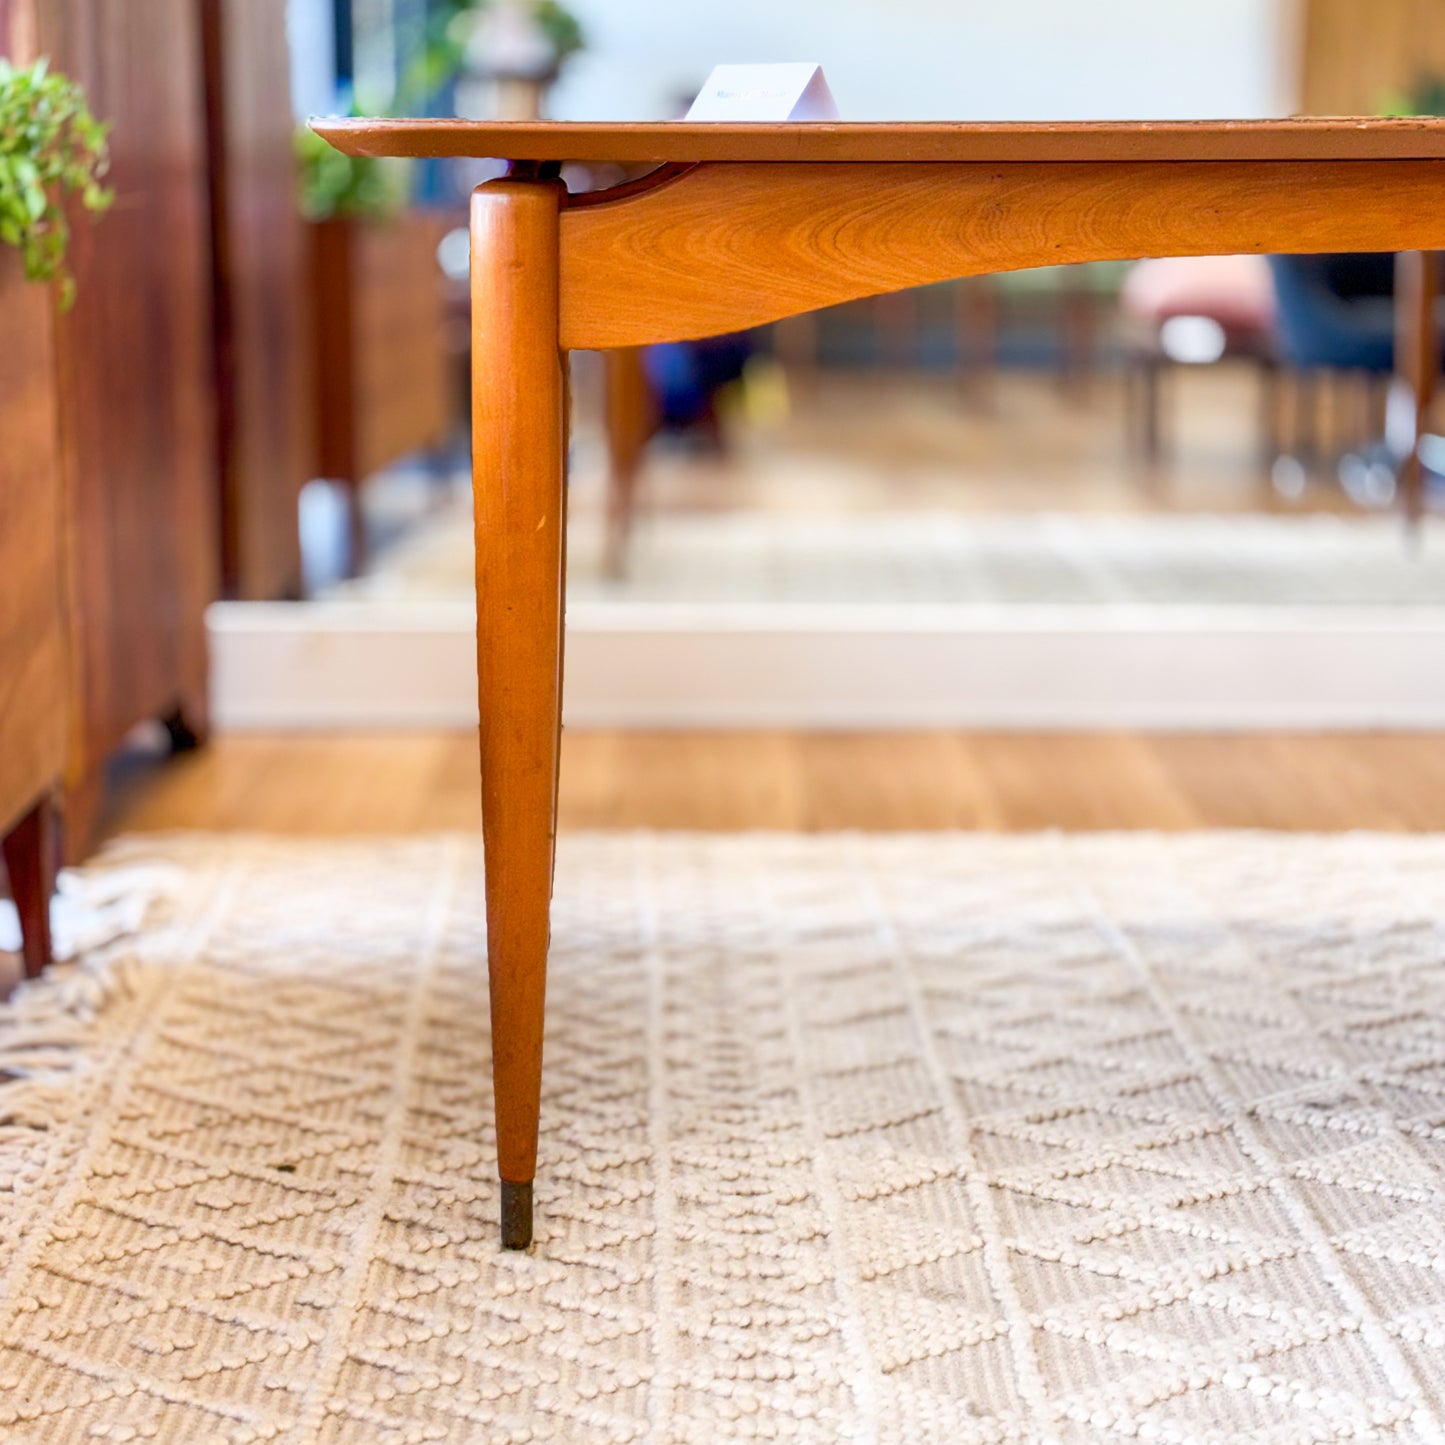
(50, 146)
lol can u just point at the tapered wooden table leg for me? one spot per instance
(30, 860)
(518, 462)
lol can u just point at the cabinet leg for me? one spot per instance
(30, 861)
(518, 461)
(188, 727)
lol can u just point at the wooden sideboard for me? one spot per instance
(32, 646)
(382, 387)
(260, 299)
(176, 390)
(134, 389)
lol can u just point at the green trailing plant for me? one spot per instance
(443, 48)
(1427, 98)
(50, 146)
(333, 184)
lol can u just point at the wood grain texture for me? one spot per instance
(260, 298)
(1340, 138)
(723, 247)
(19, 35)
(135, 382)
(380, 342)
(33, 666)
(305, 784)
(519, 465)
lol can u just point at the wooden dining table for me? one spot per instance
(741, 224)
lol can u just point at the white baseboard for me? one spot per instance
(410, 665)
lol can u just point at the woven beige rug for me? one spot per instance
(890, 1139)
(942, 558)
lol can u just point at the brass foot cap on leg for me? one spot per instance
(516, 1215)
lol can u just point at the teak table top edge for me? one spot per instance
(1334, 138)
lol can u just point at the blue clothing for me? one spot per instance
(685, 375)
(1337, 311)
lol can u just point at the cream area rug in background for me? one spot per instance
(898, 1139)
(954, 559)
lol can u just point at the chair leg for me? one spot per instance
(30, 861)
(975, 332)
(629, 424)
(795, 344)
(518, 462)
(1078, 325)
(1307, 420)
(188, 727)
(1271, 423)
(1417, 362)
(1152, 438)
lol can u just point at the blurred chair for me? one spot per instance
(1193, 310)
(1338, 314)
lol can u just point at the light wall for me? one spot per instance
(944, 59)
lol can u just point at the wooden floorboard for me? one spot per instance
(328, 784)
(340, 784)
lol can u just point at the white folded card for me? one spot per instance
(765, 92)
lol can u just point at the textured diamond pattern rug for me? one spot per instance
(957, 559)
(903, 1139)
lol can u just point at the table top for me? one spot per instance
(1334, 138)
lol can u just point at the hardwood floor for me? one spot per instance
(330, 784)
(344, 783)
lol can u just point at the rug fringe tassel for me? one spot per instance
(47, 1026)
